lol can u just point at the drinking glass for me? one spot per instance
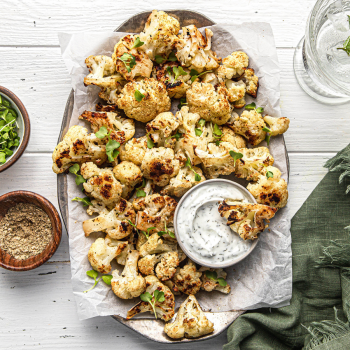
(321, 68)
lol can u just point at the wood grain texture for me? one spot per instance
(11, 199)
(38, 21)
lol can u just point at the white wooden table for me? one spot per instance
(37, 308)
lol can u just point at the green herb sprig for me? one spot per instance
(269, 174)
(214, 276)
(139, 190)
(85, 201)
(268, 135)
(166, 232)
(94, 274)
(252, 106)
(177, 136)
(217, 133)
(138, 95)
(197, 177)
(199, 131)
(172, 57)
(146, 233)
(157, 295)
(74, 169)
(111, 146)
(150, 143)
(129, 61)
(159, 59)
(346, 44)
(194, 74)
(178, 71)
(137, 43)
(236, 155)
(182, 102)
(8, 130)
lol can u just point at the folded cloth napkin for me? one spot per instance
(319, 313)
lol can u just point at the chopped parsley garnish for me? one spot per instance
(129, 61)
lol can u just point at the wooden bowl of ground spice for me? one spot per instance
(30, 230)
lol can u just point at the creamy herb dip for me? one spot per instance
(202, 230)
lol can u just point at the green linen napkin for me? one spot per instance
(317, 317)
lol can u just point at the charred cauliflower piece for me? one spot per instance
(233, 65)
(209, 284)
(162, 127)
(277, 125)
(155, 100)
(129, 175)
(160, 165)
(120, 129)
(77, 146)
(100, 255)
(166, 269)
(187, 279)
(249, 124)
(159, 34)
(121, 258)
(246, 219)
(183, 181)
(124, 54)
(154, 211)
(210, 102)
(115, 223)
(148, 263)
(176, 85)
(190, 321)
(134, 150)
(130, 283)
(251, 81)
(193, 50)
(101, 183)
(236, 92)
(228, 135)
(102, 73)
(165, 309)
(253, 163)
(270, 191)
(154, 245)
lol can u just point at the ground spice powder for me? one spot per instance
(25, 231)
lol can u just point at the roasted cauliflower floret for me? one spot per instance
(101, 183)
(233, 65)
(187, 279)
(228, 135)
(209, 284)
(131, 62)
(210, 102)
(111, 95)
(277, 125)
(239, 103)
(160, 165)
(154, 245)
(155, 100)
(120, 129)
(115, 222)
(236, 90)
(159, 34)
(130, 283)
(162, 127)
(246, 219)
(217, 159)
(129, 175)
(251, 81)
(165, 309)
(166, 269)
(194, 50)
(102, 73)
(148, 263)
(134, 150)
(270, 191)
(77, 146)
(183, 181)
(209, 78)
(154, 211)
(190, 321)
(176, 83)
(121, 258)
(249, 124)
(253, 163)
(100, 255)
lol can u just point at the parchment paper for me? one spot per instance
(263, 279)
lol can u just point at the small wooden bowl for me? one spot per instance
(24, 127)
(9, 200)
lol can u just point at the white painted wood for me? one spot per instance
(38, 307)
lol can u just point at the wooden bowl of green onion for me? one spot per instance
(14, 128)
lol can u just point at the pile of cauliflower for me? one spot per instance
(130, 183)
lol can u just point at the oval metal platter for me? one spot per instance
(149, 328)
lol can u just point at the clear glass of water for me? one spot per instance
(321, 68)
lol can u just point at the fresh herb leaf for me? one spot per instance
(266, 129)
(269, 174)
(107, 279)
(157, 295)
(166, 232)
(222, 282)
(267, 139)
(140, 193)
(172, 57)
(182, 102)
(177, 136)
(85, 201)
(169, 70)
(194, 74)
(217, 130)
(159, 59)
(93, 274)
(146, 297)
(250, 106)
(217, 142)
(102, 132)
(129, 61)
(214, 276)
(198, 132)
(235, 155)
(150, 143)
(137, 43)
(111, 149)
(79, 180)
(260, 110)
(2, 157)
(201, 122)
(346, 46)
(138, 95)
(178, 71)
(74, 169)
(197, 177)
